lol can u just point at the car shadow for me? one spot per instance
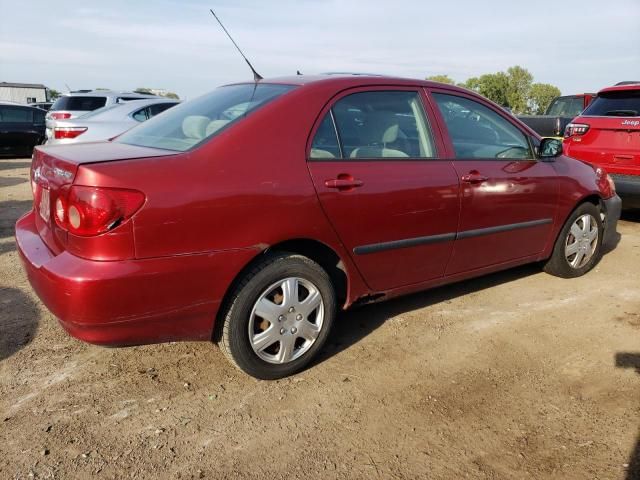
(631, 360)
(4, 165)
(19, 318)
(11, 181)
(631, 215)
(10, 211)
(355, 324)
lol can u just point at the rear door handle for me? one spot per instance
(343, 183)
(474, 177)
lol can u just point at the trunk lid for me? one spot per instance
(53, 167)
(612, 141)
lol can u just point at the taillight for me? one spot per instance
(88, 211)
(575, 129)
(60, 115)
(68, 132)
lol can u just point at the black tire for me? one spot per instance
(233, 332)
(558, 264)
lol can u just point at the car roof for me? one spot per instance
(19, 105)
(348, 80)
(621, 88)
(108, 93)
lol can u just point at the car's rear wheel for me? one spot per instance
(579, 246)
(278, 317)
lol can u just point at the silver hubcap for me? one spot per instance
(286, 320)
(582, 241)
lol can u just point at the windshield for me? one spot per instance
(186, 125)
(566, 107)
(624, 103)
(79, 103)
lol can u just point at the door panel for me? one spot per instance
(508, 198)
(392, 203)
(400, 224)
(508, 216)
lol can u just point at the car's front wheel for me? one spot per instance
(278, 317)
(579, 246)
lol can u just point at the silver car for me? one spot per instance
(106, 122)
(74, 104)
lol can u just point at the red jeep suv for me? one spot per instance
(250, 215)
(607, 134)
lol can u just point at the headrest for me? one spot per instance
(194, 126)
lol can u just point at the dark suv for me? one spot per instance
(21, 128)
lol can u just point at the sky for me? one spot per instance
(577, 46)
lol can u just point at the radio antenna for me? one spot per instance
(256, 75)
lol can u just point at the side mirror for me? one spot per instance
(550, 148)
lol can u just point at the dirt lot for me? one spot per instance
(515, 375)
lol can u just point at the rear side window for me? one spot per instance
(477, 131)
(190, 123)
(79, 103)
(615, 104)
(16, 115)
(383, 124)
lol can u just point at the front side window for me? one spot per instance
(477, 131)
(379, 124)
(190, 123)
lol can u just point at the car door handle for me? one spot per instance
(474, 177)
(343, 183)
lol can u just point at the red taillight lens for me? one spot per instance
(575, 129)
(88, 211)
(60, 115)
(68, 132)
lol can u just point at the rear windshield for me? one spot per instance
(190, 123)
(566, 107)
(79, 103)
(625, 103)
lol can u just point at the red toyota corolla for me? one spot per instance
(250, 215)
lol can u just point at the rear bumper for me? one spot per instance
(132, 301)
(628, 187)
(612, 211)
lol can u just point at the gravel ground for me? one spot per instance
(514, 375)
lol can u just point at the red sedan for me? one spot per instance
(250, 215)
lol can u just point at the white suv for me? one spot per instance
(74, 104)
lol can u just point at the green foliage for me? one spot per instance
(172, 95)
(442, 79)
(518, 87)
(142, 90)
(52, 94)
(540, 96)
(514, 89)
(494, 86)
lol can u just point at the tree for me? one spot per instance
(518, 88)
(52, 94)
(494, 86)
(540, 97)
(143, 90)
(514, 89)
(172, 95)
(442, 79)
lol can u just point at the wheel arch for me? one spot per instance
(319, 252)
